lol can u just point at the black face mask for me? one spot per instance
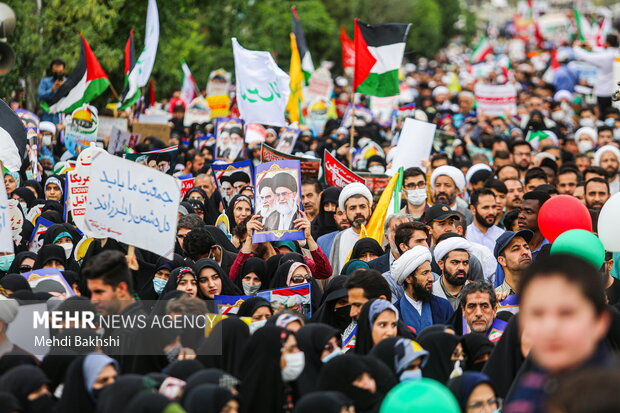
(43, 404)
(341, 318)
(477, 366)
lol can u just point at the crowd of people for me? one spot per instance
(461, 307)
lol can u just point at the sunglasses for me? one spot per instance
(24, 268)
(299, 279)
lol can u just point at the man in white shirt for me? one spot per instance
(482, 230)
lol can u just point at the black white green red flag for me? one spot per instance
(304, 53)
(131, 92)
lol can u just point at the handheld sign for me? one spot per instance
(133, 204)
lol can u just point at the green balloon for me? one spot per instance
(580, 243)
(420, 396)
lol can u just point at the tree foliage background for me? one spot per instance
(199, 31)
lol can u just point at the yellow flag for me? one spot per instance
(297, 80)
(377, 220)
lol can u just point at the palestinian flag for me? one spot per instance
(481, 51)
(87, 81)
(304, 53)
(131, 92)
(12, 138)
(379, 52)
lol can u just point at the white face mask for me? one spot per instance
(24, 207)
(68, 247)
(255, 325)
(584, 146)
(416, 196)
(376, 169)
(558, 115)
(46, 140)
(587, 122)
(337, 352)
(295, 364)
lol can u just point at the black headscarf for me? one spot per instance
(15, 358)
(202, 193)
(258, 267)
(312, 339)
(224, 346)
(183, 369)
(174, 278)
(228, 287)
(324, 222)
(440, 346)
(327, 313)
(262, 388)
(221, 238)
(52, 216)
(339, 374)
(272, 265)
(506, 360)
(9, 403)
(463, 386)
(231, 207)
(55, 230)
(55, 365)
(37, 187)
(21, 381)
(324, 402)
(209, 376)
(249, 306)
(14, 283)
(26, 194)
(149, 403)
(364, 245)
(48, 253)
(115, 397)
(207, 398)
(475, 346)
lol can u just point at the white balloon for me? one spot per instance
(609, 224)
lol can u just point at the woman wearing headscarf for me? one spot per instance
(224, 346)
(35, 187)
(253, 276)
(86, 378)
(115, 397)
(183, 369)
(272, 363)
(441, 362)
(320, 343)
(404, 357)
(153, 403)
(257, 308)
(26, 199)
(29, 385)
(239, 208)
(195, 193)
(51, 256)
(11, 181)
(294, 271)
(199, 208)
(216, 377)
(377, 320)
(324, 222)
(212, 280)
(288, 319)
(354, 265)
(324, 402)
(475, 392)
(182, 279)
(209, 398)
(54, 188)
(476, 349)
(366, 249)
(335, 308)
(67, 237)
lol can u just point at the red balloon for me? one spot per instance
(563, 213)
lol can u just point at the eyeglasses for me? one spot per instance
(413, 185)
(299, 279)
(330, 347)
(493, 404)
(24, 268)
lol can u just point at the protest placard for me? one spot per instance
(219, 105)
(296, 298)
(218, 83)
(414, 145)
(186, 185)
(281, 180)
(317, 115)
(496, 100)
(361, 116)
(133, 204)
(16, 220)
(119, 139)
(52, 280)
(159, 131)
(107, 123)
(155, 117)
(287, 140)
(376, 183)
(336, 174)
(309, 166)
(6, 236)
(198, 111)
(231, 178)
(36, 239)
(77, 187)
(229, 140)
(255, 134)
(81, 128)
(382, 108)
(160, 159)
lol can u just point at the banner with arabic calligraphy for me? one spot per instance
(336, 174)
(309, 166)
(262, 87)
(132, 203)
(297, 298)
(227, 175)
(277, 201)
(229, 140)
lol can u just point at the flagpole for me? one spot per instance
(113, 90)
(352, 130)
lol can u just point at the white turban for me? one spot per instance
(454, 173)
(441, 90)
(47, 126)
(586, 130)
(8, 310)
(475, 168)
(404, 266)
(356, 188)
(448, 245)
(601, 151)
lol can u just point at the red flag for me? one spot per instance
(150, 97)
(348, 49)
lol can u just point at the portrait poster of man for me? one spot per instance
(232, 178)
(229, 140)
(161, 159)
(277, 200)
(287, 140)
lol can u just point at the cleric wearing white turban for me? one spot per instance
(608, 158)
(419, 308)
(448, 193)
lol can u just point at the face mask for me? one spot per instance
(29, 175)
(584, 146)
(610, 122)
(159, 284)
(46, 140)
(616, 133)
(416, 196)
(6, 261)
(68, 247)
(255, 325)
(337, 352)
(42, 404)
(24, 207)
(95, 393)
(250, 289)
(411, 375)
(558, 115)
(376, 169)
(342, 318)
(295, 364)
(586, 122)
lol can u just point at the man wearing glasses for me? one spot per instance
(286, 206)
(414, 191)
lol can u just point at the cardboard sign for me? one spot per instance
(496, 100)
(119, 139)
(186, 185)
(219, 105)
(296, 298)
(36, 239)
(133, 204)
(37, 276)
(106, 124)
(309, 166)
(336, 174)
(81, 128)
(160, 131)
(287, 140)
(231, 178)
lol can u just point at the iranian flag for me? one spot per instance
(304, 53)
(87, 81)
(188, 90)
(481, 51)
(379, 53)
(131, 92)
